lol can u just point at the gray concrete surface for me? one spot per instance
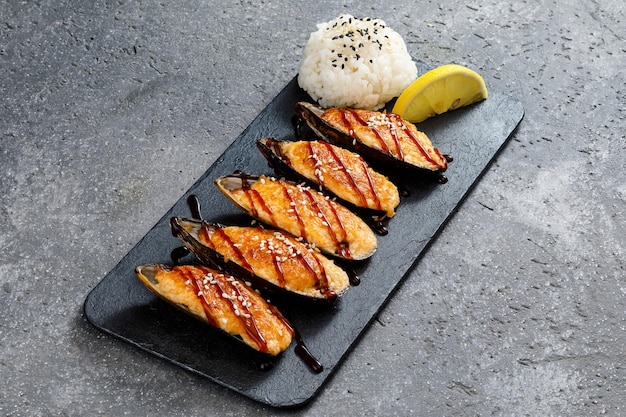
(110, 110)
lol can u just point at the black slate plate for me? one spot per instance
(119, 305)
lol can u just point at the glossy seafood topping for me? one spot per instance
(302, 212)
(273, 256)
(223, 302)
(389, 134)
(342, 172)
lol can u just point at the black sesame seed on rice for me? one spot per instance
(358, 44)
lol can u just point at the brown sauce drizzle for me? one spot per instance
(396, 141)
(370, 181)
(359, 119)
(178, 253)
(245, 319)
(279, 271)
(397, 120)
(322, 279)
(208, 237)
(316, 170)
(303, 352)
(194, 206)
(253, 195)
(341, 244)
(352, 181)
(342, 166)
(294, 207)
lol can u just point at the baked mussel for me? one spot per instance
(381, 138)
(335, 170)
(221, 301)
(302, 212)
(269, 259)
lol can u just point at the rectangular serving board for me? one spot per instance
(122, 307)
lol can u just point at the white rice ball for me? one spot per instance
(357, 63)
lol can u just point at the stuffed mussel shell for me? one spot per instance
(222, 301)
(381, 138)
(336, 170)
(302, 212)
(269, 259)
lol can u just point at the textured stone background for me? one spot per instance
(110, 110)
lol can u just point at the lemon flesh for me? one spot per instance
(440, 90)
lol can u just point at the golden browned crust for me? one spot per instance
(221, 301)
(344, 173)
(388, 133)
(279, 259)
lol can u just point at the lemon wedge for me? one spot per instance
(442, 89)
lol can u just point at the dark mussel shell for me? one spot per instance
(380, 158)
(268, 259)
(336, 171)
